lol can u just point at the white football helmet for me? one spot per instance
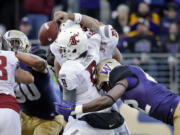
(71, 42)
(18, 40)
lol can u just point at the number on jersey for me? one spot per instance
(27, 92)
(3, 64)
(149, 77)
(90, 65)
(134, 104)
(91, 69)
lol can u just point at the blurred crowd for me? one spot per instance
(144, 26)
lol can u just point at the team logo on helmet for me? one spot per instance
(74, 40)
(106, 69)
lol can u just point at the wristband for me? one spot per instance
(77, 110)
(77, 18)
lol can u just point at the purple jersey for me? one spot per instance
(154, 98)
(38, 99)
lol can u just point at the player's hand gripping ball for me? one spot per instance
(48, 33)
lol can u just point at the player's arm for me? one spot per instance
(57, 68)
(23, 76)
(117, 55)
(69, 81)
(33, 61)
(87, 21)
(105, 101)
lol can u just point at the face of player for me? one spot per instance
(15, 44)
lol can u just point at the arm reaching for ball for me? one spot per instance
(87, 21)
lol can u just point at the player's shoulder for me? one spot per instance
(69, 74)
(71, 66)
(93, 35)
(10, 55)
(119, 73)
(108, 31)
(7, 53)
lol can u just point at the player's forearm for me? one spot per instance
(117, 55)
(89, 22)
(31, 60)
(102, 102)
(95, 105)
(23, 76)
(98, 104)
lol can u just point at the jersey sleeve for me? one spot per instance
(55, 52)
(109, 35)
(69, 75)
(109, 41)
(94, 41)
(13, 59)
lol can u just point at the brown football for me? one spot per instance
(48, 33)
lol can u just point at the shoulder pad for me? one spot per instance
(119, 73)
(69, 73)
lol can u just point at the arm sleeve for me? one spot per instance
(108, 34)
(69, 75)
(55, 52)
(13, 59)
(68, 81)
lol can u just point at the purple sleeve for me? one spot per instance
(132, 81)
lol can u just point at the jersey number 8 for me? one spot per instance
(3, 64)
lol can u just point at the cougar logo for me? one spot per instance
(73, 40)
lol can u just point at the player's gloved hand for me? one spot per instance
(65, 108)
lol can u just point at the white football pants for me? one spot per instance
(10, 123)
(78, 127)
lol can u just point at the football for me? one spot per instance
(48, 33)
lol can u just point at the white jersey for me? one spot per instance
(78, 74)
(8, 65)
(109, 41)
(100, 44)
(94, 41)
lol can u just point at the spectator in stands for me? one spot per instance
(90, 8)
(156, 5)
(115, 3)
(122, 18)
(25, 26)
(171, 16)
(171, 43)
(144, 41)
(145, 13)
(38, 12)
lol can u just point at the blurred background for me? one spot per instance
(148, 29)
